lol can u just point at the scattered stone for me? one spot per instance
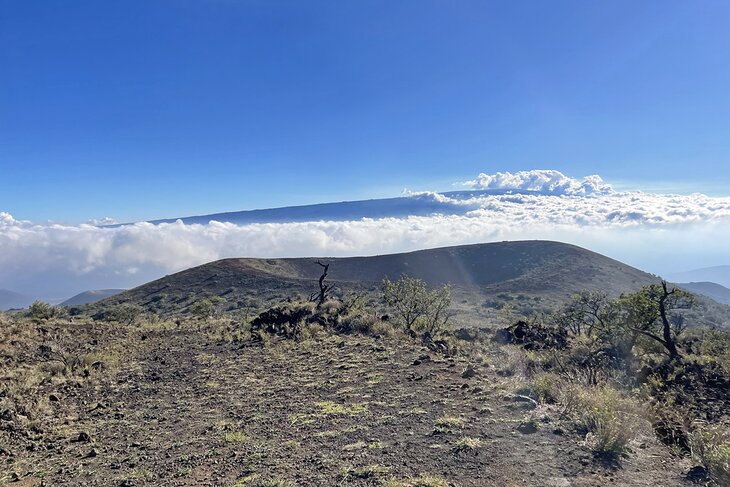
(532, 336)
(698, 474)
(53, 398)
(92, 453)
(521, 401)
(468, 373)
(97, 407)
(8, 415)
(527, 428)
(83, 437)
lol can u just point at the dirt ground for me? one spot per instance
(184, 408)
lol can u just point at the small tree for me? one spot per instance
(41, 311)
(651, 313)
(588, 313)
(437, 311)
(415, 306)
(205, 308)
(126, 313)
(320, 296)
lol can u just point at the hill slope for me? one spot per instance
(534, 273)
(91, 296)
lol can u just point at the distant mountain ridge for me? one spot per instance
(91, 296)
(418, 204)
(717, 274)
(12, 300)
(719, 293)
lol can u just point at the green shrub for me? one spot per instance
(126, 313)
(710, 445)
(40, 311)
(546, 387)
(205, 308)
(609, 419)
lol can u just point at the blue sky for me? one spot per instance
(140, 110)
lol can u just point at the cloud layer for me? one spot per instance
(647, 230)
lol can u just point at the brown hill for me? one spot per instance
(532, 275)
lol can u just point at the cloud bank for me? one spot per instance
(647, 230)
(544, 181)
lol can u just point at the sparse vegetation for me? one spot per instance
(467, 444)
(126, 313)
(40, 311)
(710, 446)
(236, 437)
(367, 388)
(417, 308)
(618, 366)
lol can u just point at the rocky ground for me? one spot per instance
(178, 406)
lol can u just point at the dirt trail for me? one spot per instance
(340, 411)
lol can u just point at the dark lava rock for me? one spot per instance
(698, 474)
(83, 437)
(527, 428)
(469, 373)
(8, 415)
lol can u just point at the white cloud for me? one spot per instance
(102, 221)
(543, 181)
(648, 230)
